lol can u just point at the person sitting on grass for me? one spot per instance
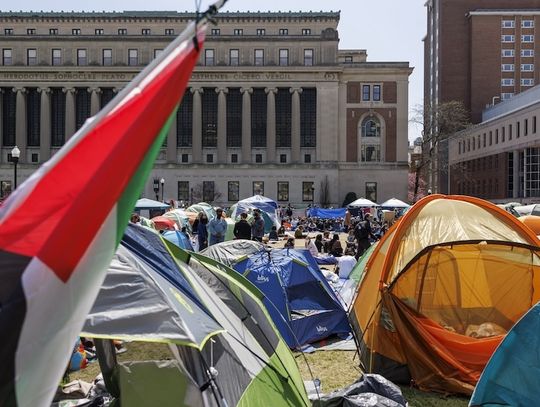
(289, 244)
(299, 233)
(273, 235)
(336, 249)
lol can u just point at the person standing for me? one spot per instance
(257, 226)
(362, 233)
(217, 228)
(242, 229)
(202, 233)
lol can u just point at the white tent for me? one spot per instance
(145, 203)
(362, 203)
(394, 203)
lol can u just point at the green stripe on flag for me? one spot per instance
(127, 200)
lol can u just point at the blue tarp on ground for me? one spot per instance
(512, 375)
(327, 213)
(301, 303)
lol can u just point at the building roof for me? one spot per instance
(509, 11)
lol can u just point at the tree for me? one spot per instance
(197, 194)
(350, 197)
(439, 122)
(325, 192)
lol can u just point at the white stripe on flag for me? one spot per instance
(55, 315)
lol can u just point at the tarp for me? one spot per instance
(145, 203)
(267, 206)
(440, 290)
(394, 203)
(326, 213)
(302, 304)
(511, 377)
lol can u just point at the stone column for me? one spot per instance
(222, 125)
(20, 129)
(295, 125)
(271, 124)
(196, 138)
(45, 125)
(246, 124)
(94, 100)
(171, 142)
(70, 112)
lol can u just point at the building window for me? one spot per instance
(527, 23)
(258, 187)
(185, 158)
(509, 132)
(307, 191)
(507, 52)
(518, 129)
(208, 191)
(133, 57)
(233, 189)
(258, 158)
(122, 31)
(146, 31)
(8, 31)
(82, 106)
(377, 93)
(371, 191)
(261, 31)
(366, 93)
(31, 31)
(308, 117)
(348, 59)
(259, 103)
(99, 31)
(283, 57)
(527, 82)
(527, 38)
(527, 67)
(283, 158)
(507, 82)
(81, 57)
(306, 31)
(7, 56)
(53, 31)
(58, 109)
(184, 121)
(209, 57)
(526, 127)
(508, 24)
(534, 125)
(107, 57)
(209, 158)
(238, 31)
(507, 38)
(496, 136)
(56, 57)
(169, 31)
(31, 56)
(259, 57)
(209, 117)
(234, 118)
(527, 53)
(234, 158)
(283, 117)
(507, 67)
(370, 142)
(234, 57)
(157, 52)
(282, 191)
(183, 191)
(33, 106)
(283, 31)
(307, 158)
(75, 31)
(215, 31)
(308, 57)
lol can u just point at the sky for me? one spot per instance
(390, 30)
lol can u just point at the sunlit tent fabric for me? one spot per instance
(532, 222)
(251, 361)
(203, 207)
(267, 206)
(511, 377)
(326, 213)
(180, 217)
(178, 238)
(145, 203)
(229, 253)
(523, 210)
(451, 266)
(394, 203)
(59, 230)
(362, 203)
(302, 304)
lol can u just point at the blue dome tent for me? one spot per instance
(267, 206)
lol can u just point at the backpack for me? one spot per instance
(361, 231)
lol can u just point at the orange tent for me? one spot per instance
(440, 291)
(533, 222)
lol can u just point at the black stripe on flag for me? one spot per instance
(12, 314)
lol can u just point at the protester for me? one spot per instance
(217, 228)
(273, 235)
(363, 232)
(202, 232)
(336, 249)
(310, 245)
(242, 229)
(319, 243)
(299, 232)
(257, 226)
(135, 219)
(289, 244)
(345, 264)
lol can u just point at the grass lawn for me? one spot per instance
(335, 369)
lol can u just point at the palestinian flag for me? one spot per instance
(60, 229)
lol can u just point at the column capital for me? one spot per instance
(222, 90)
(296, 90)
(44, 90)
(19, 89)
(97, 90)
(271, 90)
(248, 90)
(68, 90)
(196, 90)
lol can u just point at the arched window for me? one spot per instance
(370, 140)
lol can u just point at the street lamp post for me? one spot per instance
(15, 154)
(162, 182)
(156, 188)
